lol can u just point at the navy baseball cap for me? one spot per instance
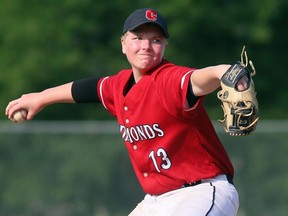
(143, 16)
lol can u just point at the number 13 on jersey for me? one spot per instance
(165, 161)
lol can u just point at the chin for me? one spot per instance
(148, 67)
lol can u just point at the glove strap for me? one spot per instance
(234, 74)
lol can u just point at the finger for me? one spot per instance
(240, 87)
(10, 105)
(13, 107)
(245, 82)
(11, 111)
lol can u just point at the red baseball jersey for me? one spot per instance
(169, 144)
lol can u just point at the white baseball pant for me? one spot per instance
(213, 197)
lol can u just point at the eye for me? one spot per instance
(157, 40)
(137, 38)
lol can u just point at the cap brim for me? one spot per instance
(148, 22)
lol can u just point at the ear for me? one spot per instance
(123, 45)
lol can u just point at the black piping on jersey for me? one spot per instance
(213, 199)
(191, 98)
(85, 90)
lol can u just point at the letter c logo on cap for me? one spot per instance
(151, 15)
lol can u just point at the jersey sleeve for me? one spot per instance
(106, 94)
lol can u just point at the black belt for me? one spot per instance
(229, 179)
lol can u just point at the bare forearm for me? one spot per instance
(59, 94)
(207, 80)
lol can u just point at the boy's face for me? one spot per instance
(144, 47)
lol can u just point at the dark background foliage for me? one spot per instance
(47, 43)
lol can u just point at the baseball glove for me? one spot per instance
(240, 107)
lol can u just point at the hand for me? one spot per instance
(30, 102)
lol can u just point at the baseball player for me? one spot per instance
(175, 152)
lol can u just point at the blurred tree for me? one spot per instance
(47, 43)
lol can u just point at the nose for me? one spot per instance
(146, 44)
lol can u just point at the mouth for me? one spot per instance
(145, 53)
(146, 56)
